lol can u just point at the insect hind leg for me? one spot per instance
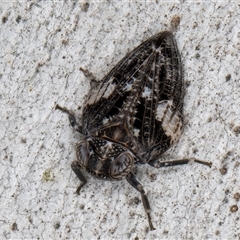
(72, 119)
(157, 163)
(138, 186)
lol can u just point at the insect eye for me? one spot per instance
(90, 149)
(121, 166)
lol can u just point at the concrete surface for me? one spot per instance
(43, 45)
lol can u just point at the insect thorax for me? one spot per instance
(104, 158)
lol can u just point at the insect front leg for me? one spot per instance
(77, 170)
(72, 119)
(89, 76)
(158, 164)
(137, 185)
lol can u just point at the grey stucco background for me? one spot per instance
(43, 45)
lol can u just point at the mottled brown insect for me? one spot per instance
(133, 116)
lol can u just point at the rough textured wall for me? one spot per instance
(43, 45)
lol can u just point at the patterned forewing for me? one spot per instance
(144, 91)
(160, 120)
(106, 100)
(157, 99)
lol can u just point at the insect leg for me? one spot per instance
(77, 170)
(138, 186)
(158, 164)
(89, 76)
(72, 119)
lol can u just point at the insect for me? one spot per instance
(133, 116)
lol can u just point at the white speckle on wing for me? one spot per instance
(110, 89)
(128, 87)
(163, 107)
(171, 121)
(106, 90)
(136, 132)
(105, 120)
(146, 93)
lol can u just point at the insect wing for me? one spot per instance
(158, 118)
(106, 100)
(144, 90)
